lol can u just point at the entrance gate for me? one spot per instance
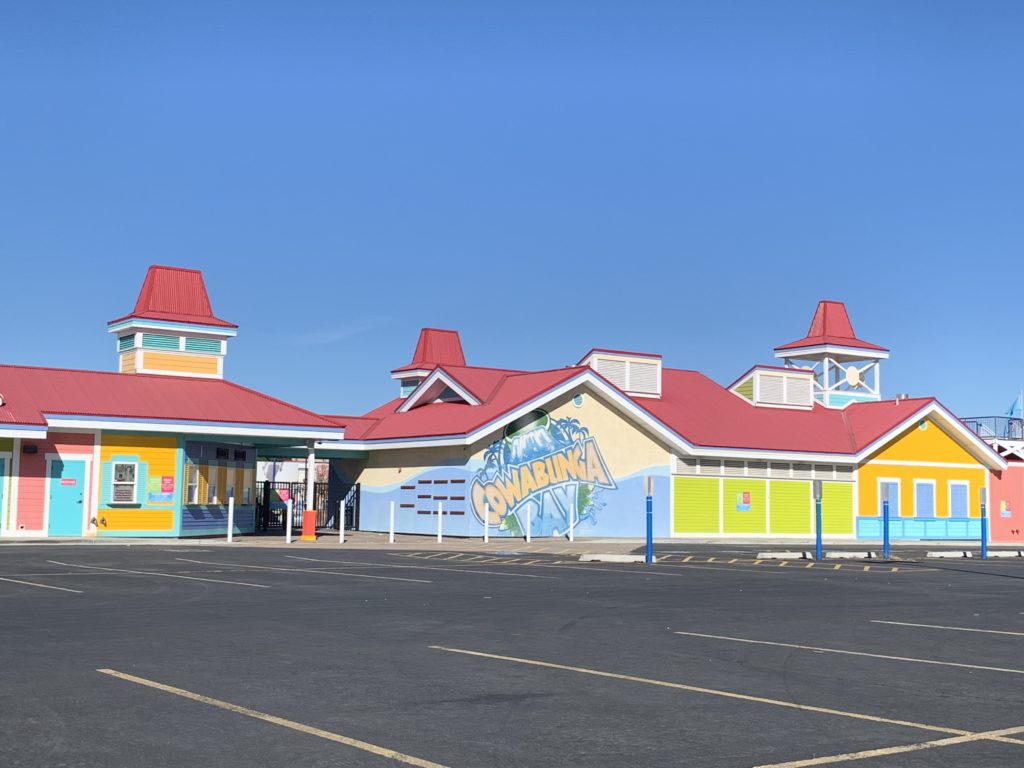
(272, 506)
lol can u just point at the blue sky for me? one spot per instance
(687, 178)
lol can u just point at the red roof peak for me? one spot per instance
(831, 326)
(436, 346)
(176, 294)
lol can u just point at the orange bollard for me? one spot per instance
(308, 525)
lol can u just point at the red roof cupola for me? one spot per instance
(177, 295)
(831, 327)
(435, 347)
(172, 329)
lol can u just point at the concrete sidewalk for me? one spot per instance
(367, 540)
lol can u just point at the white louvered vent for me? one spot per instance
(771, 390)
(734, 468)
(710, 467)
(779, 469)
(644, 378)
(613, 370)
(686, 465)
(757, 469)
(798, 391)
(823, 471)
(844, 473)
(803, 472)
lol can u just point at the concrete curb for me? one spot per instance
(851, 555)
(785, 556)
(609, 558)
(1005, 553)
(957, 553)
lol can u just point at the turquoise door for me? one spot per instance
(67, 497)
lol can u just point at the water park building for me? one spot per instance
(159, 446)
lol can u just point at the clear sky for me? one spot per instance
(685, 177)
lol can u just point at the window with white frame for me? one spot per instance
(959, 493)
(889, 489)
(122, 484)
(924, 498)
(192, 496)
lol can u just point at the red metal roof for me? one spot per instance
(436, 346)
(29, 392)
(177, 295)
(831, 325)
(498, 390)
(693, 406)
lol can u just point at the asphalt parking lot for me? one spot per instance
(184, 655)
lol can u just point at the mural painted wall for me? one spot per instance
(575, 460)
(1006, 509)
(140, 484)
(933, 484)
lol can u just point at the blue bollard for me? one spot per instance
(650, 530)
(984, 532)
(885, 529)
(817, 529)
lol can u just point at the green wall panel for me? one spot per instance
(790, 506)
(6, 444)
(836, 508)
(746, 389)
(695, 507)
(737, 520)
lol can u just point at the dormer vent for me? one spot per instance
(635, 373)
(435, 346)
(776, 387)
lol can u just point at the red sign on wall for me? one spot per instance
(167, 484)
(68, 481)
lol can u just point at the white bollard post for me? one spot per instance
(391, 524)
(529, 520)
(440, 518)
(231, 519)
(288, 522)
(341, 521)
(487, 522)
(572, 519)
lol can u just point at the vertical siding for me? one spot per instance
(836, 508)
(696, 503)
(32, 489)
(157, 458)
(791, 506)
(736, 521)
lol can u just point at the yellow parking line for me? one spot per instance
(783, 564)
(809, 565)
(816, 649)
(688, 558)
(837, 567)
(710, 691)
(302, 728)
(955, 629)
(44, 586)
(882, 752)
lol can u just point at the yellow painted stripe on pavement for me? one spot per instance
(708, 691)
(301, 727)
(817, 649)
(884, 751)
(43, 586)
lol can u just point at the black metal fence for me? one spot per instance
(997, 427)
(272, 505)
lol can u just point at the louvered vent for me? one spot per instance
(686, 465)
(644, 378)
(710, 467)
(613, 370)
(823, 471)
(798, 391)
(771, 390)
(757, 469)
(803, 472)
(733, 468)
(779, 469)
(844, 473)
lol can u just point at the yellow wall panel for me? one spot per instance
(138, 519)
(790, 506)
(128, 362)
(695, 505)
(738, 520)
(869, 474)
(158, 458)
(836, 508)
(929, 444)
(180, 363)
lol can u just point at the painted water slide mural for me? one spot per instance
(543, 472)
